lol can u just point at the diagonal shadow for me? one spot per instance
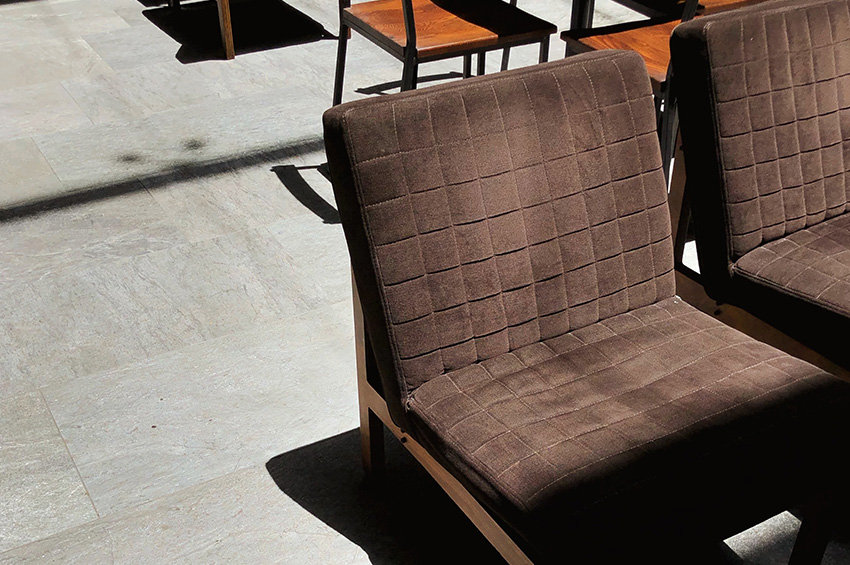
(295, 183)
(408, 519)
(258, 25)
(164, 177)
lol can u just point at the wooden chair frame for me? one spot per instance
(690, 288)
(409, 55)
(374, 414)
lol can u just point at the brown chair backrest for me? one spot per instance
(764, 95)
(489, 214)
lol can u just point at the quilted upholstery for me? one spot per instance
(765, 117)
(510, 243)
(781, 86)
(595, 413)
(501, 216)
(813, 264)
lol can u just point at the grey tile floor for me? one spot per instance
(176, 348)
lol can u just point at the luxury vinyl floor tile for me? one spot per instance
(40, 490)
(30, 63)
(33, 110)
(26, 173)
(172, 421)
(75, 237)
(69, 324)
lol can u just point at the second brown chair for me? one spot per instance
(419, 31)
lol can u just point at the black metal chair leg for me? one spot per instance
(467, 66)
(340, 63)
(409, 73)
(482, 60)
(544, 50)
(506, 52)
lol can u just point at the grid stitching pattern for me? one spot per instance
(554, 415)
(812, 264)
(781, 85)
(513, 210)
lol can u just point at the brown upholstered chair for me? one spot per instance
(419, 31)
(651, 38)
(520, 332)
(765, 104)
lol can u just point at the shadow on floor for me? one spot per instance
(163, 177)
(295, 183)
(258, 25)
(407, 520)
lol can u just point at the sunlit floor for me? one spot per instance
(176, 348)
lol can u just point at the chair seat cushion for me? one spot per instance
(812, 264)
(657, 413)
(444, 27)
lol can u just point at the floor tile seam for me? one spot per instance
(127, 512)
(286, 321)
(68, 451)
(44, 157)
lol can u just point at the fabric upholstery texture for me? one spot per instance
(765, 118)
(510, 242)
(500, 218)
(812, 263)
(585, 418)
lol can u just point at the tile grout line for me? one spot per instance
(68, 451)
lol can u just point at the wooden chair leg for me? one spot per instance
(813, 537)
(226, 28)
(482, 63)
(340, 63)
(372, 444)
(544, 50)
(467, 66)
(371, 426)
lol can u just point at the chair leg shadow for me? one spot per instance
(405, 519)
(294, 181)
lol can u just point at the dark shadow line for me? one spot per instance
(380, 88)
(164, 177)
(294, 182)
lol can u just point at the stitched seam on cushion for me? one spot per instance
(752, 140)
(489, 227)
(396, 358)
(643, 351)
(670, 433)
(453, 229)
(645, 199)
(643, 385)
(773, 127)
(471, 138)
(552, 200)
(608, 185)
(421, 254)
(721, 158)
(655, 475)
(758, 279)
